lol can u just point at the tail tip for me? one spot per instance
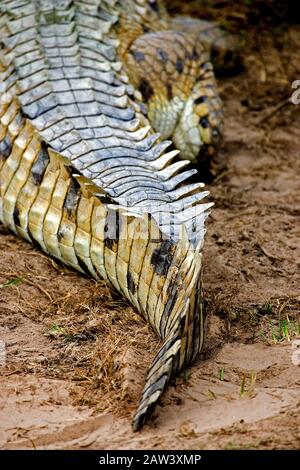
(139, 420)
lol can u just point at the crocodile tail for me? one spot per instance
(184, 337)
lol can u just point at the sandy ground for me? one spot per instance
(77, 353)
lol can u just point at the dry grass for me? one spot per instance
(97, 340)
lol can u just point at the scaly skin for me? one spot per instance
(167, 60)
(82, 177)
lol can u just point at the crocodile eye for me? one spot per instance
(203, 121)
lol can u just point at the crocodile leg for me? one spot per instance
(177, 84)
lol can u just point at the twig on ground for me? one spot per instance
(271, 112)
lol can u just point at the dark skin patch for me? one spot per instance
(72, 198)
(194, 226)
(5, 147)
(204, 122)
(104, 199)
(200, 100)
(60, 235)
(16, 216)
(33, 240)
(169, 91)
(146, 89)
(179, 66)
(199, 312)
(154, 5)
(158, 385)
(162, 55)
(214, 53)
(82, 265)
(175, 364)
(130, 283)
(39, 167)
(145, 28)
(206, 67)
(193, 55)
(19, 118)
(112, 230)
(139, 56)
(166, 347)
(161, 258)
(168, 307)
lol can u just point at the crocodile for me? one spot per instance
(85, 170)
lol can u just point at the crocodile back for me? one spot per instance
(82, 176)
